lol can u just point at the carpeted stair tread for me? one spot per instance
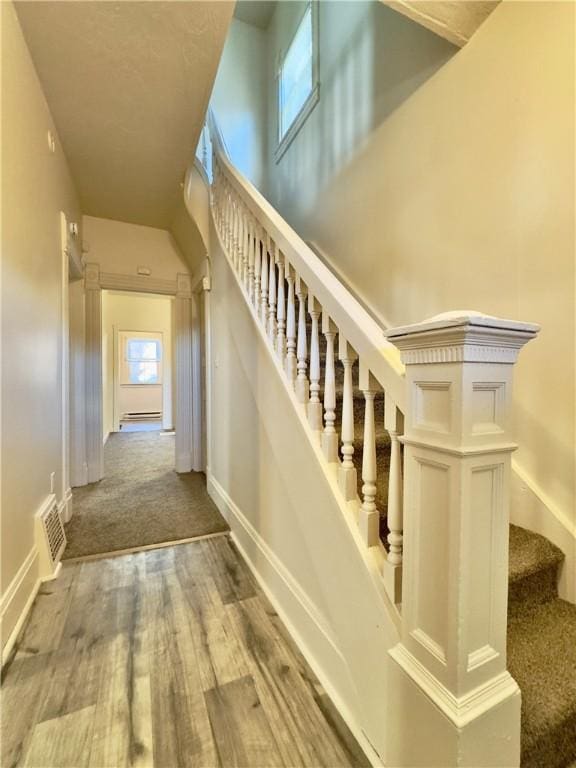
(533, 570)
(529, 553)
(542, 660)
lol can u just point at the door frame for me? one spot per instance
(188, 384)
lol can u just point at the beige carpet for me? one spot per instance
(141, 499)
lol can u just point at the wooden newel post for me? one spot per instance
(450, 665)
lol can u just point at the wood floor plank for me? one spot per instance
(44, 628)
(233, 579)
(123, 718)
(241, 730)
(23, 686)
(199, 608)
(63, 742)
(304, 736)
(181, 728)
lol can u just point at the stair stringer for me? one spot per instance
(270, 478)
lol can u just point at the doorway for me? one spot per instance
(137, 362)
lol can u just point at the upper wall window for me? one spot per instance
(298, 87)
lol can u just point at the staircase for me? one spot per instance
(541, 627)
(542, 651)
(357, 412)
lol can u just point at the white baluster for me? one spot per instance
(245, 246)
(227, 218)
(257, 268)
(314, 405)
(302, 385)
(347, 471)
(272, 297)
(264, 282)
(251, 253)
(368, 516)
(393, 564)
(329, 435)
(281, 308)
(290, 364)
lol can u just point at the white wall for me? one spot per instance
(432, 193)
(37, 186)
(135, 312)
(239, 99)
(121, 248)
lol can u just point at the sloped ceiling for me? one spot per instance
(128, 84)
(255, 12)
(455, 20)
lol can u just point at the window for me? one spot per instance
(298, 88)
(142, 361)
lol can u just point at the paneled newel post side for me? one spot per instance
(457, 448)
(184, 394)
(94, 447)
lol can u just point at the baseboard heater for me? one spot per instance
(141, 416)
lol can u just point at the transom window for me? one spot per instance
(298, 79)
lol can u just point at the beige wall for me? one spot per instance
(239, 99)
(121, 248)
(36, 186)
(135, 312)
(458, 194)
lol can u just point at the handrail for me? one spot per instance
(363, 333)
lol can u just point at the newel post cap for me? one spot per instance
(462, 336)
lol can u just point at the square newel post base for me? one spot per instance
(393, 581)
(330, 446)
(315, 415)
(347, 482)
(431, 728)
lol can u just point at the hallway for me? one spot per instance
(169, 657)
(141, 500)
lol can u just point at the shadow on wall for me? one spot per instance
(372, 59)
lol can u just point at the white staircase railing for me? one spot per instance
(283, 280)
(447, 412)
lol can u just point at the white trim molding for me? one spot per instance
(17, 601)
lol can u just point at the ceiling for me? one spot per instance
(455, 20)
(128, 84)
(256, 12)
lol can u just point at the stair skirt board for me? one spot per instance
(300, 616)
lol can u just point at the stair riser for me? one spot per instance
(534, 589)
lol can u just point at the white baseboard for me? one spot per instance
(17, 601)
(304, 622)
(532, 509)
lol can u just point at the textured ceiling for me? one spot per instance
(128, 84)
(455, 20)
(256, 12)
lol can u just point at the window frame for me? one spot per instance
(283, 142)
(124, 378)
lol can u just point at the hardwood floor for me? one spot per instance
(167, 658)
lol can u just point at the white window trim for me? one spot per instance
(124, 378)
(313, 98)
